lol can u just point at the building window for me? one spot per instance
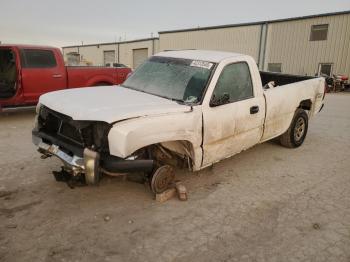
(325, 69)
(319, 32)
(274, 67)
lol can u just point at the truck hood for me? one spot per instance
(108, 103)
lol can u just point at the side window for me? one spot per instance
(234, 84)
(34, 58)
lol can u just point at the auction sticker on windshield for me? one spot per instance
(202, 64)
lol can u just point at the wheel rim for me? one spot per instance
(161, 179)
(299, 129)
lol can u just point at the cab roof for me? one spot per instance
(24, 46)
(203, 55)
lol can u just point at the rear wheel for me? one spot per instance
(296, 133)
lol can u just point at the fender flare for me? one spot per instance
(100, 79)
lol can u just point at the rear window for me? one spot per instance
(33, 58)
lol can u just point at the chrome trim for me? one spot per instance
(16, 109)
(91, 162)
(74, 162)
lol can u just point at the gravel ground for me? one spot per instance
(268, 203)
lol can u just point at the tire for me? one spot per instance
(296, 133)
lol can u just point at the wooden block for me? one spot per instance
(181, 191)
(166, 195)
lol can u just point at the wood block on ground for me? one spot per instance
(166, 195)
(181, 191)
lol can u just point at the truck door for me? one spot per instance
(42, 71)
(234, 116)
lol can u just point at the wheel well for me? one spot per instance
(178, 153)
(102, 84)
(305, 104)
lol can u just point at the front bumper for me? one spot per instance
(74, 162)
(87, 165)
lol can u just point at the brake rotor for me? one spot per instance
(161, 179)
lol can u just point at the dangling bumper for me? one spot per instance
(89, 163)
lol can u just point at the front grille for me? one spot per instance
(70, 132)
(55, 124)
(62, 130)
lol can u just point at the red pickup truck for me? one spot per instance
(26, 72)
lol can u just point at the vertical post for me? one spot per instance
(262, 46)
(265, 42)
(118, 52)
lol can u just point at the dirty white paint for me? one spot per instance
(128, 136)
(201, 55)
(141, 119)
(108, 103)
(282, 102)
(230, 128)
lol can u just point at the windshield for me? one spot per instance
(173, 78)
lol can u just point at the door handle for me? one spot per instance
(57, 76)
(254, 109)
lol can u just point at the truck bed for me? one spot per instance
(80, 76)
(281, 79)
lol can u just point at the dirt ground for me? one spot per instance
(268, 203)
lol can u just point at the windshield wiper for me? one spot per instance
(180, 101)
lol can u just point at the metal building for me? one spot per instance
(306, 45)
(302, 45)
(130, 53)
(242, 38)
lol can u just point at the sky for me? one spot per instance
(73, 22)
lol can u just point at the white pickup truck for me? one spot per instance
(188, 108)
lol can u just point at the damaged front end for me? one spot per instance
(82, 146)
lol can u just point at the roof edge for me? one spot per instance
(254, 23)
(113, 43)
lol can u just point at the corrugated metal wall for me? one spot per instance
(288, 43)
(126, 50)
(94, 53)
(243, 39)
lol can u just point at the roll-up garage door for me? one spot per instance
(108, 57)
(139, 56)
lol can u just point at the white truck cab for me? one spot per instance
(188, 108)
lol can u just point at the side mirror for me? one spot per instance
(218, 101)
